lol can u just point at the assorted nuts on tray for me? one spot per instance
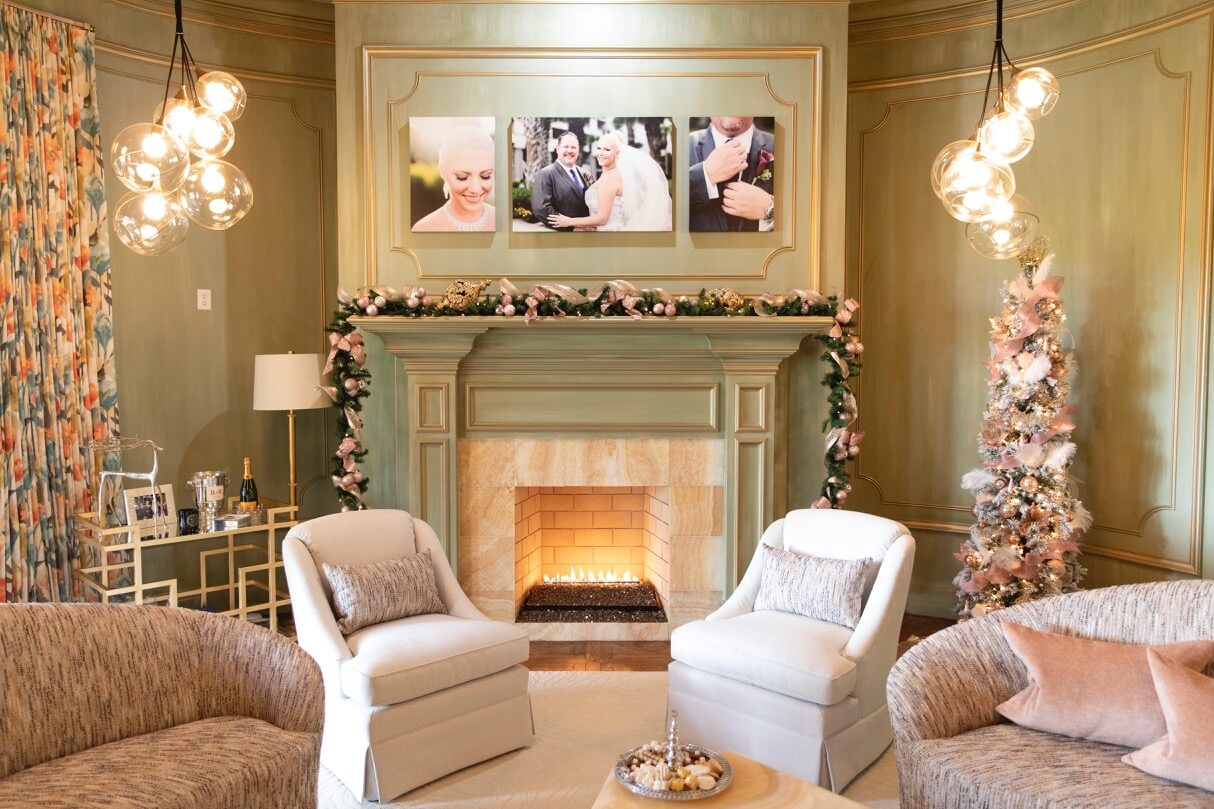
(648, 768)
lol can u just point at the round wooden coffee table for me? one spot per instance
(754, 785)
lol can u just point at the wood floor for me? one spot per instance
(593, 655)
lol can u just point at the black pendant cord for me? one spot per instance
(997, 59)
(188, 67)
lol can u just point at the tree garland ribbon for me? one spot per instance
(351, 381)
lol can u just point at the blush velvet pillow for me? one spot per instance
(1091, 689)
(1186, 754)
(826, 589)
(382, 591)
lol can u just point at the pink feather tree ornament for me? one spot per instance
(1024, 543)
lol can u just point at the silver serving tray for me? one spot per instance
(622, 772)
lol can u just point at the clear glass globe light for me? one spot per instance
(971, 184)
(1033, 92)
(222, 93)
(177, 116)
(1006, 136)
(212, 135)
(947, 155)
(148, 157)
(150, 223)
(216, 194)
(1006, 231)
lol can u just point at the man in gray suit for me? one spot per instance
(560, 187)
(731, 179)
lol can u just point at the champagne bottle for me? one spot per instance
(248, 488)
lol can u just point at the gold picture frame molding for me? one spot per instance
(814, 55)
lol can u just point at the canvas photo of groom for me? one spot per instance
(731, 175)
(591, 174)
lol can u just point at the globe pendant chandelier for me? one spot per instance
(173, 166)
(974, 178)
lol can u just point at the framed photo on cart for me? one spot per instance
(152, 509)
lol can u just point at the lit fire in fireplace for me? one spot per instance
(582, 575)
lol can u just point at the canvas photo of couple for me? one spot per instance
(592, 174)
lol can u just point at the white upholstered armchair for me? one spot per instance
(801, 695)
(412, 699)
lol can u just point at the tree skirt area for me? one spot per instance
(583, 721)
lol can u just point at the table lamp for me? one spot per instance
(289, 382)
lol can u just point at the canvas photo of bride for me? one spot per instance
(451, 175)
(591, 174)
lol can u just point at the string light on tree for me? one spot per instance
(974, 178)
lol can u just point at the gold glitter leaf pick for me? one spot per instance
(1032, 255)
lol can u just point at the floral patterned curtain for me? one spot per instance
(57, 389)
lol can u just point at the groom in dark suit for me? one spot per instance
(561, 186)
(731, 179)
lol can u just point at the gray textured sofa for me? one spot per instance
(145, 706)
(954, 750)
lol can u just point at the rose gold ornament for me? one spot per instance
(1028, 483)
(1036, 512)
(1056, 567)
(1008, 510)
(1000, 483)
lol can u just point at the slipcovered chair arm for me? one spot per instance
(743, 599)
(949, 683)
(247, 670)
(458, 604)
(874, 643)
(315, 625)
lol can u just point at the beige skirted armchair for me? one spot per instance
(955, 752)
(141, 706)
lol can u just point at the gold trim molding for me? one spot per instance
(243, 19)
(122, 51)
(946, 20)
(1192, 564)
(1086, 46)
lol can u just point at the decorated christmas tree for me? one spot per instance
(1023, 545)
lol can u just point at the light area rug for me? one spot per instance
(583, 721)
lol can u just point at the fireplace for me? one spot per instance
(591, 553)
(482, 418)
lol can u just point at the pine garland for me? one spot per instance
(350, 380)
(842, 358)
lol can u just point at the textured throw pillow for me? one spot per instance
(813, 586)
(1091, 689)
(1186, 754)
(382, 591)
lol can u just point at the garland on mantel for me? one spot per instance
(346, 365)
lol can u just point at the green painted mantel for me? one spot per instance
(710, 377)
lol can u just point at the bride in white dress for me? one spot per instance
(631, 194)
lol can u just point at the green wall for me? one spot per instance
(1120, 175)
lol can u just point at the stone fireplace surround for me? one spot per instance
(482, 407)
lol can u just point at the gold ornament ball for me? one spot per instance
(727, 297)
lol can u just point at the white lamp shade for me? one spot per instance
(288, 382)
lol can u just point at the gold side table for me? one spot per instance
(120, 549)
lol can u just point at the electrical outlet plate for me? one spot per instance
(204, 299)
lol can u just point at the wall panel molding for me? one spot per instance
(1138, 303)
